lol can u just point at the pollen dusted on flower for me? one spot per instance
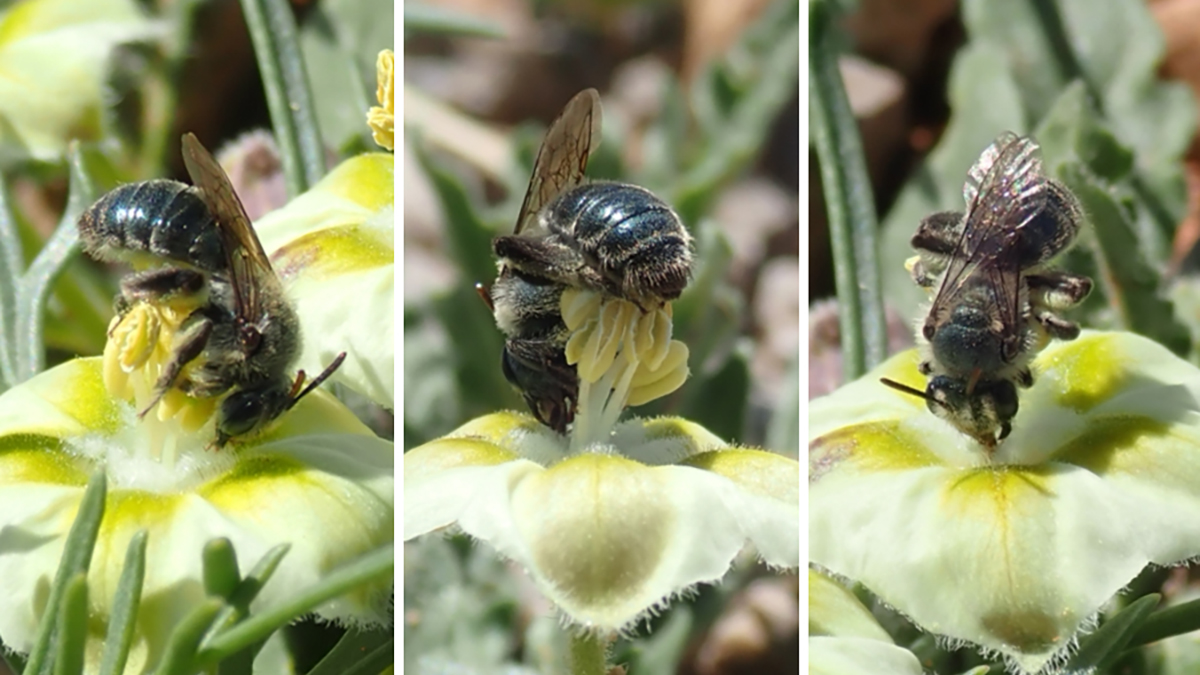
(382, 118)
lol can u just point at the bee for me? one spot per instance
(196, 243)
(998, 303)
(614, 238)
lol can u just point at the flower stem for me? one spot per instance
(273, 31)
(848, 202)
(587, 653)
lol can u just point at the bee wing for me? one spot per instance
(1009, 190)
(248, 263)
(563, 156)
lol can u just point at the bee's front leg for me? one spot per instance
(189, 344)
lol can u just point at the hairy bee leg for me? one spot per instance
(161, 283)
(550, 386)
(1057, 326)
(1025, 378)
(934, 241)
(1057, 291)
(541, 258)
(193, 340)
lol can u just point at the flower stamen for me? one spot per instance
(623, 355)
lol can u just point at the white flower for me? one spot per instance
(334, 248)
(1015, 551)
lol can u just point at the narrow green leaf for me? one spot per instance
(72, 627)
(12, 263)
(179, 657)
(239, 599)
(1168, 622)
(1103, 646)
(221, 576)
(374, 566)
(126, 602)
(354, 647)
(46, 268)
(375, 661)
(76, 557)
(848, 201)
(293, 116)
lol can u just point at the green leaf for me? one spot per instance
(341, 41)
(848, 202)
(1168, 622)
(179, 657)
(76, 557)
(128, 598)
(238, 600)
(369, 568)
(12, 264)
(1129, 282)
(220, 566)
(72, 627)
(354, 649)
(1105, 645)
(47, 266)
(273, 32)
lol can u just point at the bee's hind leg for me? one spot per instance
(1053, 292)
(189, 344)
(161, 283)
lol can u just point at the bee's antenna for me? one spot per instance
(485, 294)
(910, 390)
(319, 379)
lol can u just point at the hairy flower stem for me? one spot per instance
(587, 653)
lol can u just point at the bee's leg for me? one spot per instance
(190, 343)
(1025, 378)
(540, 258)
(925, 367)
(161, 283)
(550, 386)
(1057, 291)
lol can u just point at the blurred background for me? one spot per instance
(700, 103)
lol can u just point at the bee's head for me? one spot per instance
(251, 408)
(978, 412)
(247, 410)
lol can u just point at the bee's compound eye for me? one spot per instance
(240, 412)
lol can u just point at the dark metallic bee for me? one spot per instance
(244, 337)
(997, 303)
(612, 238)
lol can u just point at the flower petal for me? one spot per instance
(1099, 478)
(334, 248)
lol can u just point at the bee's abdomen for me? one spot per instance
(164, 218)
(631, 236)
